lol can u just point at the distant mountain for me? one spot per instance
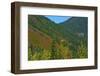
(76, 24)
(74, 28)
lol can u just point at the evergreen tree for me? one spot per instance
(53, 50)
(82, 50)
(65, 51)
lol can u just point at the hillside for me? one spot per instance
(75, 30)
(37, 38)
(45, 25)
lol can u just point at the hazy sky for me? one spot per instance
(58, 19)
